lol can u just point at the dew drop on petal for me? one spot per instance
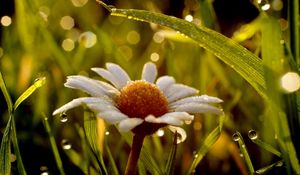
(63, 117)
(66, 145)
(252, 134)
(236, 137)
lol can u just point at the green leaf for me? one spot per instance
(6, 94)
(37, 84)
(5, 151)
(90, 129)
(172, 157)
(208, 142)
(247, 64)
(53, 146)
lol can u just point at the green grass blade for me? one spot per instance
(6, 94)
(14, 139)
(267, 147)
(54, 148)
(113, 166)
(269, 167)
(5, 151)
(208, 142)
(90, 129)
(238, 137)
(247, 64)
(172, 157)
(37, 84)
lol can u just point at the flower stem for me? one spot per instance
(137, 144)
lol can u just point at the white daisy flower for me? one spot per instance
(142, 106)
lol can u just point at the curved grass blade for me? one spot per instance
(6, 94)
(53, 146)
(37, 84)
(111, 160)
(90, 129)
(172, 156)
(208, 142)
(267, 147)
(5, 151)
(247, 64)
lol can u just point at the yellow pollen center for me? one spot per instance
(139, 98)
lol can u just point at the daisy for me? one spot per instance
(142, 106)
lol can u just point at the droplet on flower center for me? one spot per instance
(138, 99)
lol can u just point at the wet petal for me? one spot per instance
(165, 82)
(88, 85)
(119, 73)
(83, 101)
(198, 108)
(149, 72)
(178, 91)
(197, 99)
(112, 117)
(108, 76)
(129, 124)
(180, 131)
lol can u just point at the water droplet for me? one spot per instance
(252, 134)
(63, 117)
(129, 17)
(112, 8)
(236, 136)
(195, 156)
(107, 133)
(160, 132)
(66, 145)
(241, 155)
(44, 170)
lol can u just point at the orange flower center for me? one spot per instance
(139, 98)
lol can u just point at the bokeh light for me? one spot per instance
(79, 3)
(67, 22)
(290, 82)
(133, 37)
(68, 44)
(6, 21)
(88, 39)
(189, 18)
(154, 56)
(160, 132)
(158, 37)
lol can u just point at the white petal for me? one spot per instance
(178, 91)
(112, 117)
(98, 107)
(81, 101)
(180, 131)
(129, 124)
(173, 118)
(108, 76)
(198, 108)
(85, 84)
(119, 73)
(197, 99)
(149, 72)
(165, 82)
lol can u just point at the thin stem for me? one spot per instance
(294, 29)
(137, 144)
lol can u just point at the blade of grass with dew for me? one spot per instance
(208, 142)
(271, 56)
(145, 156)
(90, 130)
(244, 62)
(266, 146)
(54, 148)
(269, 167)
(112, 163)
(172, 157)
(37, 84)
(245, 153)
